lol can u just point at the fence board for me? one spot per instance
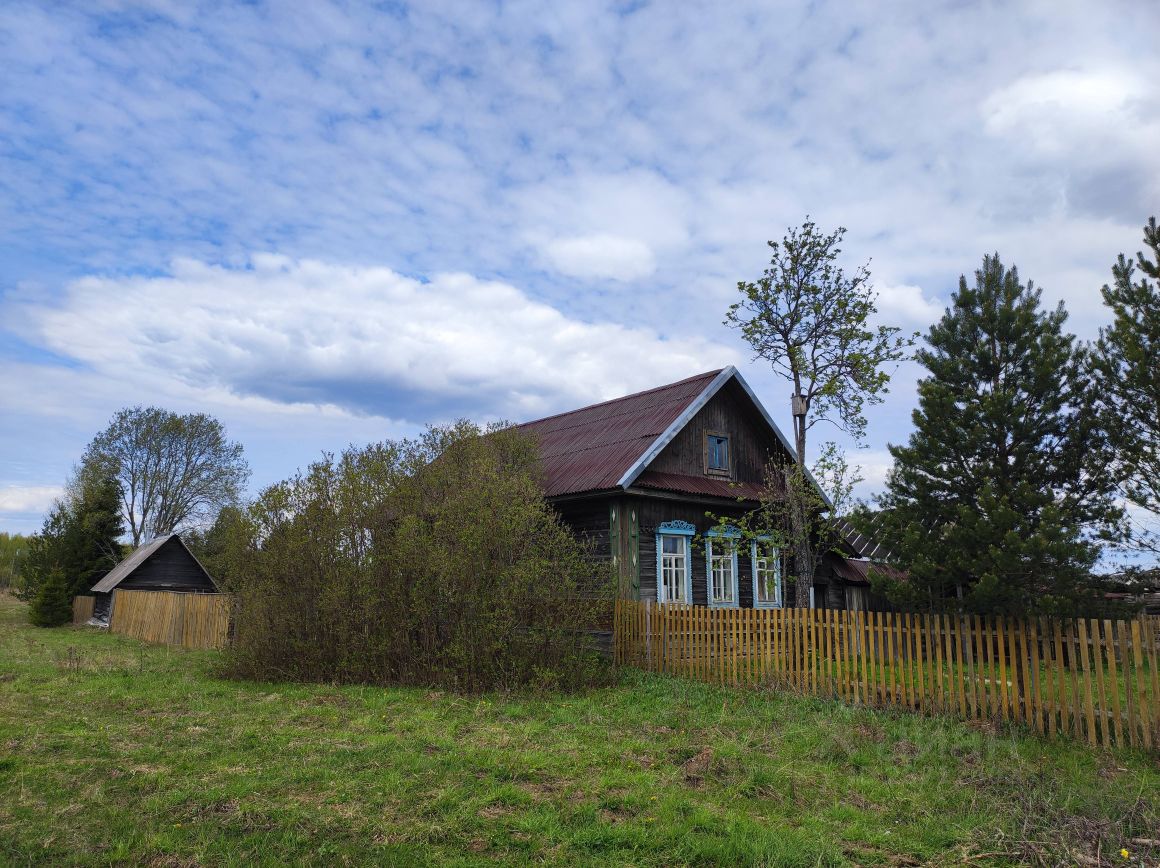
(1050, 676)
(82, 608)
(164, 617)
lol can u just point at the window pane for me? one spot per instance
(767, 572)
(672, 557)
(721, 573)
(718, 451)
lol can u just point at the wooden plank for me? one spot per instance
(1145, 711)
(921, 643)
(1001, 658)
(1150, 630)
(913, 692)
(1050, 699)
(1098, 664)
(791, 661)
(1028, 679)
(1117, 725)
(858, 656)
(1036, 678)
(955, 626)
(1127, 661)
(1150, 634)
(938, 688)
(738, 659)
(1065, 702)
(812, 634)
(968, 646)
(879, 641)
(845, 677)
(890, 671)
(982, 666)
(1085, 677)
(1018, 654)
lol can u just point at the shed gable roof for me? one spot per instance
(137, 558)
(609, 446)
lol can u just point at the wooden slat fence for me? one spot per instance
(188, 620)
(1095, 680)
(82, 608)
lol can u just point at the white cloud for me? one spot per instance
(281, 331)
(1051, 110)
(905, 303)
(28, 498)
(601, 256)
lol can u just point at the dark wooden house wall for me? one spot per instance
(750, 443)
(656, 511)
(170, 568)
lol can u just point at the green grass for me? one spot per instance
(116, 752)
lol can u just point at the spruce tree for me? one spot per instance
(52, 605)
(1000, 493)
(76, 548)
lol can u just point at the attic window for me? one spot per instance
(716, 453)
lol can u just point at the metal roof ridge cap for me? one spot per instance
(666, 436)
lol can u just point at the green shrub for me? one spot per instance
(434, 561)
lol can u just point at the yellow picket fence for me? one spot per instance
(188, 620)
(1092, 679)
(82, 608)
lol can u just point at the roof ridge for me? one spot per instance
(624, 398)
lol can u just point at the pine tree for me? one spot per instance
(999, 493)
(1127, 368)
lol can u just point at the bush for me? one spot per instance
(434, 561)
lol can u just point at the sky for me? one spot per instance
(334, 223)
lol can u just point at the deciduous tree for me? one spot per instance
(811, 322)
(172, 469)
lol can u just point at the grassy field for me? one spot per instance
(116, 752)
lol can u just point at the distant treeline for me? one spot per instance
(13, 551)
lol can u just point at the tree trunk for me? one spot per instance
(803, 555)
(803, 566)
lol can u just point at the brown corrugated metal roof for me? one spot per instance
(858, 571)
(591, 449)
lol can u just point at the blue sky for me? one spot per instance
(333, 223)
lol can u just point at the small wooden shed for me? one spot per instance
(164, 564)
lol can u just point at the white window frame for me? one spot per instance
(684, 531)
(775, 556)
(729, 538)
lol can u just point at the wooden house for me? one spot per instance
(165, 564)
(635, 477)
